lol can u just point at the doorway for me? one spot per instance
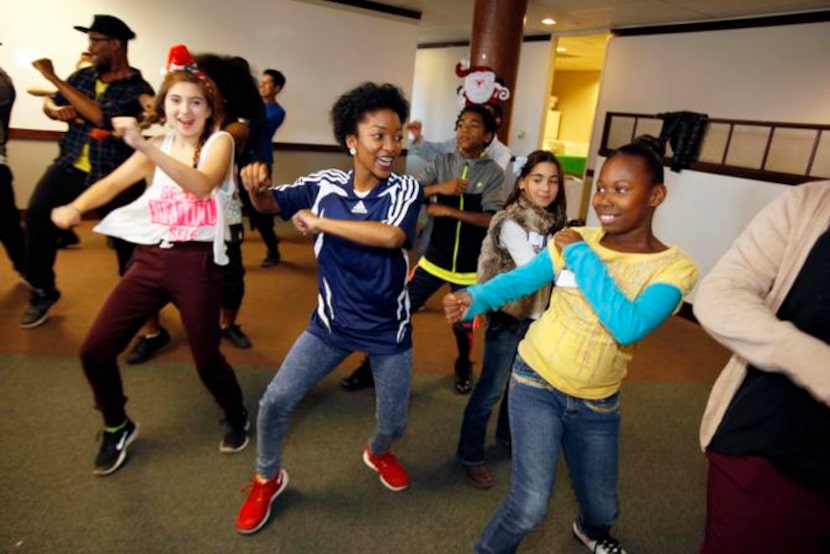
(572, 104)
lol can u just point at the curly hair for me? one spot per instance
(350, 107)
(488, 118)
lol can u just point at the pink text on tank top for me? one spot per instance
(178, 208)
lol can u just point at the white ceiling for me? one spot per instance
(582, 25)
(450, 20)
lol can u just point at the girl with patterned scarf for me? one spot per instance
(534, 211)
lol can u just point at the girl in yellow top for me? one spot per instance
(613, 286)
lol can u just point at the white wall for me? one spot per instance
(434, 99)
(768, 74)
(703, 213)
(346, 48)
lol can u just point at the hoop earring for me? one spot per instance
(352, 151)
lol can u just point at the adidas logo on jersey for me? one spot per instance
(359, 208)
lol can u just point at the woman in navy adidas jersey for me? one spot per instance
(363, 222)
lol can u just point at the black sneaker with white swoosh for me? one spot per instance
(113, 452)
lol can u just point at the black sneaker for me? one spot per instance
(463, 376)
(113, 452)
(361, 378)
(145, 347)
(38, 311)
(237, 337)
(236, 435)
(272, 259)
(607, 545)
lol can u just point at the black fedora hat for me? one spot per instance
(108, 25)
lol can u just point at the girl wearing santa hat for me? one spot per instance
(179, 227)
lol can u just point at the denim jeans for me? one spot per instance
(309, 360)
(542, 419)
(500, 343)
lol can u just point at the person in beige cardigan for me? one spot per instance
(766, 428)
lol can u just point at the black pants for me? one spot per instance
(233, 282)
(263, 223)
(57, 187)
(11, 234)
(422, 285)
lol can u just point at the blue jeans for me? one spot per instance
(541, 420)
(500, 343)
(309, 360)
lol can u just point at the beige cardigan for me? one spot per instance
(736, 303)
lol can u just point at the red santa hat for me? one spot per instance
(179, 58)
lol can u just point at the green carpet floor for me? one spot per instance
(177, 493)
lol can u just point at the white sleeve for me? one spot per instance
(514, 238)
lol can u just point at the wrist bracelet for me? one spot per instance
(77, 211)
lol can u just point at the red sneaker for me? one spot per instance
(392, 473)
(257, 507)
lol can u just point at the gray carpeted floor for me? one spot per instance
(177, 493)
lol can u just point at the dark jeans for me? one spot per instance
(421, 286)
(263, 223)
(57, 187)
(186, 276)
(11, 233)
(501, 341)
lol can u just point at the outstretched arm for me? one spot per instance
(136, 167)
(514, 284)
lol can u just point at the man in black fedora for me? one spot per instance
(86, 101)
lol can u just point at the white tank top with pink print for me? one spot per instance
(166, 213)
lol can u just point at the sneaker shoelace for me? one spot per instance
(608, 545)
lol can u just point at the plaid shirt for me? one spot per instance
(120, 99)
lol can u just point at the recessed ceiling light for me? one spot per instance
(561, 49)
(549, 21)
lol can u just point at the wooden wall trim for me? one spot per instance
(755, 174)
(454, 43)
(301, 147)
(380, 8)
(54, 136)
(35, 134)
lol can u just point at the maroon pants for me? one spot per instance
(752, 507)
(186, 276)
